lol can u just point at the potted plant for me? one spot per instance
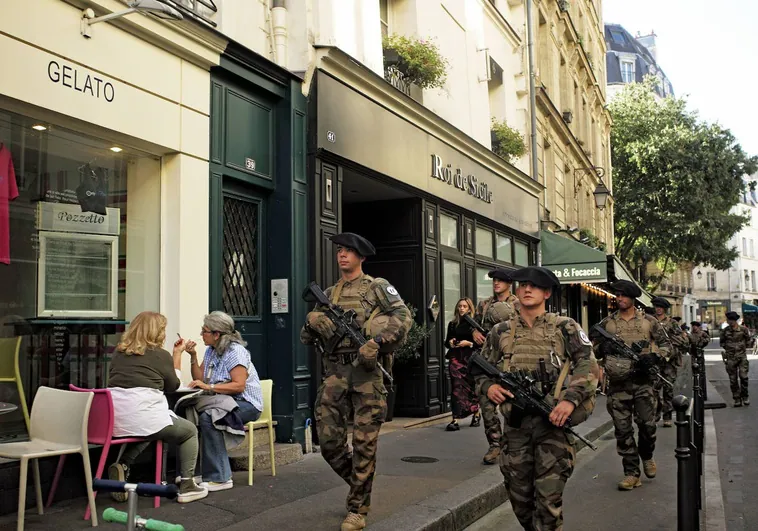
(419, 60)
(507, 142)
(407, 353)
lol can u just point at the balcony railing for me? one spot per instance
(202, 10)
(395, 77)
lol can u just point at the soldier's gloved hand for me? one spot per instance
(367, 355)
(648, 362)
(321, 324)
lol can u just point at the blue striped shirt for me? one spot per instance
(220, 367)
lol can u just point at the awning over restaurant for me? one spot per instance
(619, 272)
(749, 308)
(572, 261)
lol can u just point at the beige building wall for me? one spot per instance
(159, 106)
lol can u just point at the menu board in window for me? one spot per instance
(77, 275)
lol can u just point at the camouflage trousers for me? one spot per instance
(737, 368)
(629, 401)
(536, 466)
(493, 428)
(343, 386)
(663, 393)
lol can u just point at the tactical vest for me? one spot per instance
(495, 311)
(355, 298)
(522, 349)
(618, 368)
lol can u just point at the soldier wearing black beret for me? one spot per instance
(631, 396)
(669, 365)
(535, 485)
(500, 307)
(735, 339)
(352, 376)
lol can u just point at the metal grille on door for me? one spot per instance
(240, 285)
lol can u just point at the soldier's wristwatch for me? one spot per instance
(378, 340)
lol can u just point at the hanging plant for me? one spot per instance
(419, 60)
(507, 142)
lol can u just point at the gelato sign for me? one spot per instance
(570, 274)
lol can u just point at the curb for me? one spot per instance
(465, 503)
(715, 401)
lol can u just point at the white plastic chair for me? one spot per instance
(266, 419)
(58, 426)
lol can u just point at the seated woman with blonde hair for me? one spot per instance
(141, 372)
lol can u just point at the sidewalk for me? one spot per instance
(449, 493)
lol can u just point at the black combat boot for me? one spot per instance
(745, 401)
(737, 402)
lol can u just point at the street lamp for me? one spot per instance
(601, 195)
(699, 275)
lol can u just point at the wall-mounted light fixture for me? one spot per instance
(601, 193)
(156, 7)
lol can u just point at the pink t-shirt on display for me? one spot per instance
(8, 192)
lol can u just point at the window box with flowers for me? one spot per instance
(419, 60)
(507, 142)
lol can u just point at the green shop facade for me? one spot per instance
(258, 220)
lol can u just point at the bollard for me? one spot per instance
(686, 506)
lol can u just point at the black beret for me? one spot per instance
(649, 310)
(356, 242)
(661, 302)
(539, 276)
(696, 323)
(501, 274)
(677, 319)
(626, 288)
(732, 316)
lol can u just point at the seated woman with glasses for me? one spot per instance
(141, 372)
(226, 369)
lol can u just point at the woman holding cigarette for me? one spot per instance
(141, 372)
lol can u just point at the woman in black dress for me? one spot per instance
(460, 341)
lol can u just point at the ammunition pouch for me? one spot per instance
(618, 368)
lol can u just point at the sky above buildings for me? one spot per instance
(708, 50)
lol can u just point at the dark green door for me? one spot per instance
(239, 286)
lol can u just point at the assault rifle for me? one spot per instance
(343, 320)
(526, 399)
(618, 348)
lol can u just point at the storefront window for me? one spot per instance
(449, 231)
(483, 284)
(451, 278)
(504, 248)
(521, 253)
(79, 251)
(484, 242)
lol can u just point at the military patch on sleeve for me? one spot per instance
(392, 294)
(584, 338)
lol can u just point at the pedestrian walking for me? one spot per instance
(668, 365)
(538, 455)
(500, 307)
(352, 376)
(735, 339)
(460, 342)
(630, 391)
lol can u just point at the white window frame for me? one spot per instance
(632, 70)
(42, 310)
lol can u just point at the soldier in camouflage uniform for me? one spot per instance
(630, 390)
(352, 376)
(699, 338)
(735, 339)
(489, 312)
(538, 456)
(668, 366)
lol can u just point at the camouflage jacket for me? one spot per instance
(736, 341)
(699, 339)
(366, 294)
(513, 344)
(677, 337)
(490, 312)
(635, 330)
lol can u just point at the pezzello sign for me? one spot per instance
(580, 273)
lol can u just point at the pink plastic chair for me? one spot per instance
(100, 431)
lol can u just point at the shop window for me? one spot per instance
(521, 253)
(79, 251)
(449, 231)
(483, 284)
(504, 248)
(484, 242)
(451, 286)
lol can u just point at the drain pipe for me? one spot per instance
(279, 31)
(532, 92)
